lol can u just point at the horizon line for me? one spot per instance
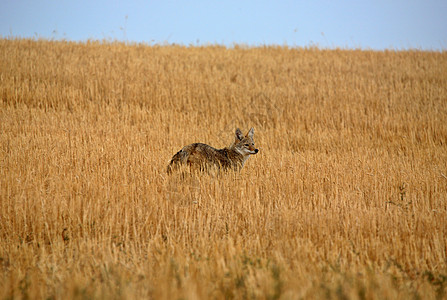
(229, 45)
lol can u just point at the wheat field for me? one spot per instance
(347, 198)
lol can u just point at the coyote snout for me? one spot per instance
(202, 156)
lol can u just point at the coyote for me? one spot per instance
(203, 157)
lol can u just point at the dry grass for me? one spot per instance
(346, 199)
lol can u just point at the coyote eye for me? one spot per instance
(247, 145)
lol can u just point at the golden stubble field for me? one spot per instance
(347, 198)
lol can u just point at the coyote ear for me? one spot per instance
(251, 132)
(239, 136)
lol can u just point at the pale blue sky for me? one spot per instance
(376, 24)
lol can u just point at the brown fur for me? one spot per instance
(201, 156)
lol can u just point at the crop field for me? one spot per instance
(346, 199)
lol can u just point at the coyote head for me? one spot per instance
(244, 144)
